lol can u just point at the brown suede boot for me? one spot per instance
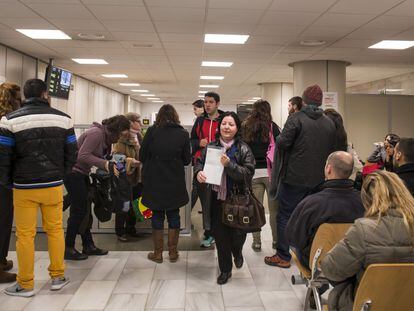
(6, 265)
(173, 235)
(6, 277)
(158, 239)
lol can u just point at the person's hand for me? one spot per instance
(203, 142)
(111, 168)
(201, 177)
(135, 163)
(225, 160)
(389, 149)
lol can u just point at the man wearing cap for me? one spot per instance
(306, 141)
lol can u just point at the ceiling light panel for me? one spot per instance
(90, 61)
(44, 34)
(129, 84)
(114, 75)
(211, 77)
(211, 86)
(140, 91)
(225, 39)
(216, 64)
(157, 101)
(148, 95)
(154, 98)
(392, 45)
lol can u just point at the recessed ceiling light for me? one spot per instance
(44, 34)
(114, 75)
(256, 98)
(148, 95)
(251, 100)
(216, 64)
(229, 39)
(91, 36)
(129, 84)
(391, 90)
(312, 42)
(201, 92)
(154, 98)
(157, 101)
(139, 91)
(392, 45)
(200, 96)
(211, 86)
(90, 61)
(211, 77)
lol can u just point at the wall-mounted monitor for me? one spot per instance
(58, 81)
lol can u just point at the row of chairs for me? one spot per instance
(383, 286)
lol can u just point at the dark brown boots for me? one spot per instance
(6, 277)
(157, 237)
(173, 235)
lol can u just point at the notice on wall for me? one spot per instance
(330, 100)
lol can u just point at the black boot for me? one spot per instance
(223, 278)
(72, 254)
(92, 250)
(238, 262)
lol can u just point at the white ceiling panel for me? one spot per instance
(18, 10)
(107, 12)
(183, 46)
(27, 23)
(354, 43)
(230, 16)
(314, 6)
(404, 9)
(135, 36)
(372, 33)
(182, 28)
(185, 38)
(78, 24)
(405, 35)
(129, 25)
(245, 28)
(363, 7)
(184, 15)
(284, 30)
(321, 32)
(177, 3)
(289, 18)
(113, 2)
(392, 22)
(278, 40)
(74, 11)
(343, 20)
(239, 4)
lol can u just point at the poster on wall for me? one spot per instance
(330, 100)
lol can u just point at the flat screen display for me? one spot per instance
(58, 81)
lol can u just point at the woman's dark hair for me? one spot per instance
(167, 115)
(116, 125)
(236, 120)
(257, 123)
(341, 142)
(297, 101)
(199, 103)
(393, 139)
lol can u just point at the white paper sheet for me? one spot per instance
(213, 169)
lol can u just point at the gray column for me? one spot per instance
(330, 75)
(126, 103)
(278, 95)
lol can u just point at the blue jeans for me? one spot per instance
(289, 197)
(173, 218)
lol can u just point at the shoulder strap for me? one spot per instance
(272, 139)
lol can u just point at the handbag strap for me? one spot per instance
(272, 139)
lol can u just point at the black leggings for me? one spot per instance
(6, 220)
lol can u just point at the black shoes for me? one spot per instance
(223, 278)
(92, 250)
(238, 262)
(72, 254)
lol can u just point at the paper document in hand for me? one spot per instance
(213, 169)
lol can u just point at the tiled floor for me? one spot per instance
(126, 280)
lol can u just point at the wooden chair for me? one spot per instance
(386, 287)
(325, 239)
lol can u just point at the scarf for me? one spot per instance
(222, 189)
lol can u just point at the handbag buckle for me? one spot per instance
(246, 220)
(230, 217)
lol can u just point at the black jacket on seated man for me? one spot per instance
(337, 202)
(406, 173)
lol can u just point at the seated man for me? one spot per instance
(336, 202)
(404, 162)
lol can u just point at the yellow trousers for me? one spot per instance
(26, 204)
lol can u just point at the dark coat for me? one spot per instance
(305, 143)
(240, 171)
(406, 173)
(164, 153)
(337, 202)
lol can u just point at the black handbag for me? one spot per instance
(242, 210)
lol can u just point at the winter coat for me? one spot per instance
(239, 172)
(129, 148)
(305, 143)
(337, 202)
(368, 241)
(164, 153)
(37, 146)
(406, 173)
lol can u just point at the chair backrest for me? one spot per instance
(326, 238)
(387, 287)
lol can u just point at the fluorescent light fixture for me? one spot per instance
(154, 98)
(200, 96)
(251, 100)
(229, 39)
(148, 95)
(211, 86)
(90, 61)
(392, 45)
(216, 64)
(211, 77)
(157, 101)
(201, 92)
(114, 75)
(392, 90)
(139, 91)
(256, 98)
(129, 84)
(44, 34)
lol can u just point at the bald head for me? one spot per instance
(339, 165)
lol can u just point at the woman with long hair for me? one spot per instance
(384, 235)
(10, 99)
(258, 130)
(238, 163)
(164, 154)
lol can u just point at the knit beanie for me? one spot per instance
(313, 95)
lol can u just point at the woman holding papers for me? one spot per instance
(236, 163)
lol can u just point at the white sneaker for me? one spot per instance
(59, 283)
(17, 290)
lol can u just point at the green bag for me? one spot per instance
(137, 212)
